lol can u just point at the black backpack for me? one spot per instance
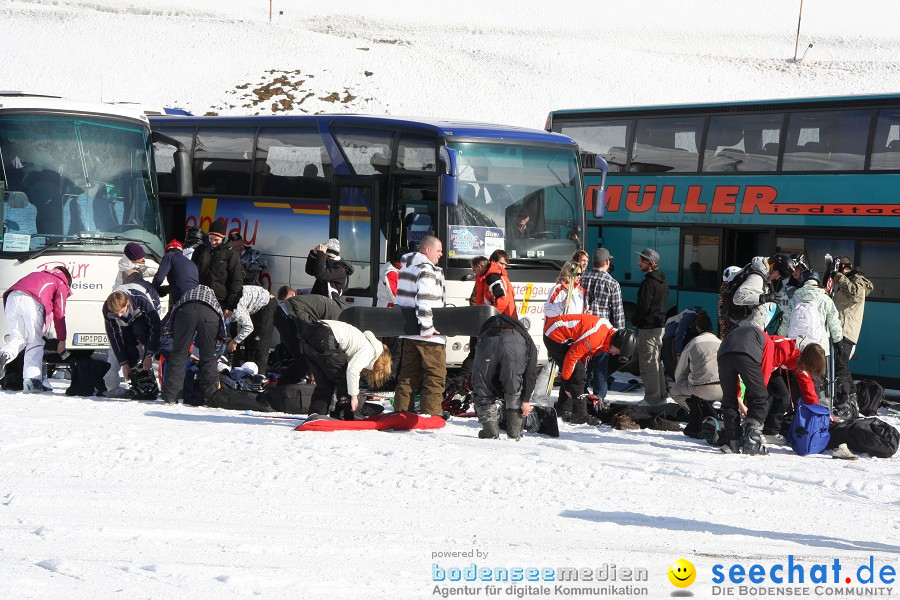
(869, 395)
(87, 377)
(738, 312)
(870, 435)
(291, 398)
(13, 379)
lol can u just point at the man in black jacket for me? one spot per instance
(650, 320)
(505, 368)
(220, 268)
(332, 274)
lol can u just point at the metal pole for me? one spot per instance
(796, 44)
(270, 20)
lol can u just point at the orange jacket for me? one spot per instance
(589, 335)
(494, 288)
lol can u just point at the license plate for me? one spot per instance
(90, 339)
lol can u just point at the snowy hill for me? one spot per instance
(101, 498)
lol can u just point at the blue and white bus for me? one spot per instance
(379, 184)
(712, 185)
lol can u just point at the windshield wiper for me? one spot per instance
(122, 238)
(83, 241)
(56, 244)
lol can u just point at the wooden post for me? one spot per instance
(796, 44)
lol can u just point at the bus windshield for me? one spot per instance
(78, 181)
(526, 200)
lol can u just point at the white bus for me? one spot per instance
(77, 184)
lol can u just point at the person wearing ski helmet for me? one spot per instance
(572, 338)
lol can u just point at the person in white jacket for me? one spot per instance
(423, 364)
(338, 354)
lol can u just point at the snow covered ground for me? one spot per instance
(103, 498)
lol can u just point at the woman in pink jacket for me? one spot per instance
(31, 304)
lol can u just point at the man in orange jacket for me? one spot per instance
(494, 288)
(571, 341)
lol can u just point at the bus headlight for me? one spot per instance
(526, 322)
(456, 346)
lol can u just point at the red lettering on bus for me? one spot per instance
(666, 203)
(250, 239)
(725, 199)
(759, 198)
(692, 203)
(634, 202)
(613, 198)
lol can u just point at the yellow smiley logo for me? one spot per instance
(682, 573)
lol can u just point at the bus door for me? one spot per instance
(354, 220)
(416, 213)
(741, 245)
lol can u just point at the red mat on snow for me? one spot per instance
(382, 422)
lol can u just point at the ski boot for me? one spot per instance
(4, 358)
(565, 416)
(753, 442)
(580, 415)
(846, 408)
(489, 431)
(732, 447)
(513, 424)
(36, 386)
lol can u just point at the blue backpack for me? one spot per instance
(809, 429)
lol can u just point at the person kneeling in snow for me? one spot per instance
(338, 353)
(504, 368)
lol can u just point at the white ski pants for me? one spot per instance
(25, 323)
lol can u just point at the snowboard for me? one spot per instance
(397, 421)
(396, 321)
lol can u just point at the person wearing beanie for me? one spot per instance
(179, 271)
(134, 260)
(332, 274)
(219, 268)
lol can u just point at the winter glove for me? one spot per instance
(764, 298)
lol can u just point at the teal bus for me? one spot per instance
(712, 185)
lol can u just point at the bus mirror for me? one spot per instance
(183, 172)
(449, 179)
(599, 193)
(182, 158)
